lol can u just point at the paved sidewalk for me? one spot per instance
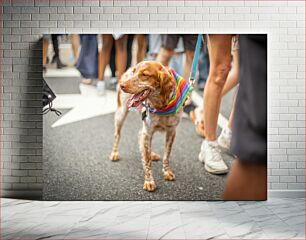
(273, 219)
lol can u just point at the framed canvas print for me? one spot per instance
(155, 116)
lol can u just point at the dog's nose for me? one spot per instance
(122, 86)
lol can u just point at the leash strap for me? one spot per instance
(195, 59)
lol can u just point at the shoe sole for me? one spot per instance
(213, 171)
(210, 170)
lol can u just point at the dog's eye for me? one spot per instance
(145, 73)
(134, 70)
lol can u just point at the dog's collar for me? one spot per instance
(180, 93)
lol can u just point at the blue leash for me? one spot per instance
(195, 59)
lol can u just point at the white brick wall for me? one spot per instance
(24, 21)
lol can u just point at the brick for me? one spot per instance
(47, 23)
(20, 186)
(92, 16)
(73, 17)
(65, 10)
(193, 17)
(27, 179)
(296, 172)
(91, 3)
(287, 165)
(129, 10)
(81, 24)
(30, 10)
(112, 10)
(122, 17)
(19, 173)
(96, 10)
(138, 3)
(40, 17)
(185, 9)
(157, 3)
(81, 9)
(101, 24)
(48, 10)
(11, 24)
(300, 179)
(74, 3)
(147, 9)
(277, 186)
(280, 172)
(140, 17)
(166, 10)
(41, 3)
(21, 17)
(65, 24)
(159, 17)
(288, 179)
(230, 3)
(56, 17)
(296, 186)
(32, 24)
(273, 179)
(11, 10)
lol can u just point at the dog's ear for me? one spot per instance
(165, 83)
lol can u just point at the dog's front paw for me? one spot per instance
(149, 186)
(155, 156)
(169, 175)
(114, 156)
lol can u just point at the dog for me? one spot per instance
(154, 88)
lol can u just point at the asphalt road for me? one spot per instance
(76, 164)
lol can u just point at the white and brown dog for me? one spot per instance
(164, 95)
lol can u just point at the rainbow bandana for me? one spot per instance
(181, 91)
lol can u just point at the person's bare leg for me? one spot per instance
(121, 55)
(75, 43)
(141, 47)
(104, 54)
(45, 50)
(219, 47)
(246, 181)
(165, 56)
(232, 78)
(188, 63)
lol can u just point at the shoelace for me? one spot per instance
(215, 150)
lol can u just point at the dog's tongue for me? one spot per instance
(134, 101)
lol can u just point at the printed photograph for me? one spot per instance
(179, 117)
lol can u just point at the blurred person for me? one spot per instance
(219, 47)
(142, 45)
(247, 179)
(231, 82)
(176, 62)
(45, 50)
(75, 44)
(112, 62)
(87, 63)
(203, 68)
(120, 41)
(169, 43)
(56, 58)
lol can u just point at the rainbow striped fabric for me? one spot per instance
(181, 91)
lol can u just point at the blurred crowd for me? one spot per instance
(93, 53)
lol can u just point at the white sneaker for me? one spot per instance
(224, 140)
(210, 155)
(101, 88)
